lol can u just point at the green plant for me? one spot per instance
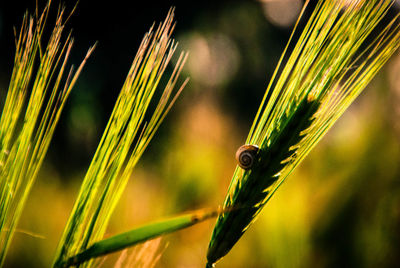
(331, 63)
(36, 96)
(133, 123)
(124, 140)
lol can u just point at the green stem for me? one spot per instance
(138, 235)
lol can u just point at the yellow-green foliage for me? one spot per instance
(124, 140)
(36, 96)
(331, 63)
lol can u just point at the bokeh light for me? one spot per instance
(282, 13)
(213, 60)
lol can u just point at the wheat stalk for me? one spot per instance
(124, 140)
(327, 69)
(35, 99)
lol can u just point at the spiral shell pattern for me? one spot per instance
(246, 155)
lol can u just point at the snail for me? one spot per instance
(246, 155)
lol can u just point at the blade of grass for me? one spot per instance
(139, 235)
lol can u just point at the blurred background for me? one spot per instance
(340, 208)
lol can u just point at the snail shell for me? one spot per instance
(246, 155)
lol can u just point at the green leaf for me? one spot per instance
(138, 235)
